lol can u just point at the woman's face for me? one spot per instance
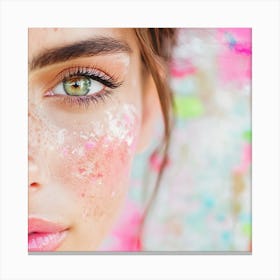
(85, 114)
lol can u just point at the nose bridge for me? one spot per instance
(34, 132)
(36, 154)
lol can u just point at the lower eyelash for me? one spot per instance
(85, 101)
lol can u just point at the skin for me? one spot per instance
(80, 156)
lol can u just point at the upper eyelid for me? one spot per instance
(78, 70)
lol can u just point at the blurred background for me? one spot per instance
(204, 201)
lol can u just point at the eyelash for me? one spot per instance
(92, 73)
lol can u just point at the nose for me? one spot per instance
(35, 178)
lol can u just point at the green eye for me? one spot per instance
(77, 86)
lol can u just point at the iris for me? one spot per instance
(77, 86)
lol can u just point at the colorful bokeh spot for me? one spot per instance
(247, 228)
(247, 135)
(188, 107)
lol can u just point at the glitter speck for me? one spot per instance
(61, 136)
(89, 145)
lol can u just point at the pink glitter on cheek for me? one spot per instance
(102, 161)
(90, 145)
(93, 162)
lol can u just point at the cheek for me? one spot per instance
(94, 162)
(94, 165)
(96, 173)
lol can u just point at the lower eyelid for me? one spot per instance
(69, 103)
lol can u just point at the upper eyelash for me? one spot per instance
(92, 73)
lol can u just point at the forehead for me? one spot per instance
(46, 38)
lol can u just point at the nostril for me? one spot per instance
(34, 185)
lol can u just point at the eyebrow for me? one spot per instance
(91, 47)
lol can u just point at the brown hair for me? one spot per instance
(156, 49)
